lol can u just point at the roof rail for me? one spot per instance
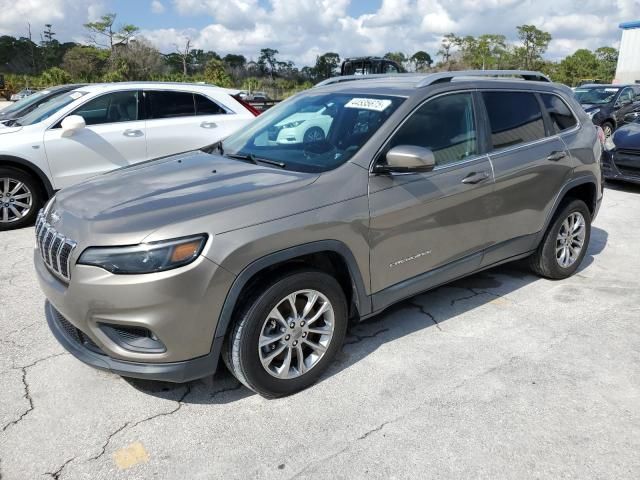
(426, 79)
(350, 78)
(443, 77)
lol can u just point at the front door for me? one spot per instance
(423, 221)
(113, 137)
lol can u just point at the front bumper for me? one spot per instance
(619, 166)
(180, 307)
(178, 372)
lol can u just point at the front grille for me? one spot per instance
(54, 247)
(75, 333)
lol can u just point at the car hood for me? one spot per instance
(590, 106)
(5, 129)
(628, 137)
(297, 117)
(127, 205)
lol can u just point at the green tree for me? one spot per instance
(326, 65)
(446, 45)
(267, 61)
(215, 73)
(54, 76)
(422, 60)
(398, 57)
(583, 64)
(607, 63)
(534, 44)
(85, 63)
(139, 60)
(103, 33)
(234, 61)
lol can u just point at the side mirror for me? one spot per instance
(72, 124)
(406, 159)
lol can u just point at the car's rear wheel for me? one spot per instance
(20, 198)
(288, 334)
(565, 243)
(608, 128)
(313, 135)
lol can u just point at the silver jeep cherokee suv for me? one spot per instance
(260, 252)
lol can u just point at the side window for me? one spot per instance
(445, 125)
(559, 112)
(205, 106)
(171, 104)
(626, 96)
(515, 118)
(110, 108)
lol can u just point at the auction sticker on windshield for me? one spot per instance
(375, 104)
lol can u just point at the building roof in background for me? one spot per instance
(630, 25)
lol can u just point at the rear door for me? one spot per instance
(422, 221)
(182, 121)
(530, 163)
(114, 137)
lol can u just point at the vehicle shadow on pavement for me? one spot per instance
(425, 310)
(623, 186)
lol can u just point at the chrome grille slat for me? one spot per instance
(55, 249)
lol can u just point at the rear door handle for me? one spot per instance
(556, 156)
(208, 125)
(476, 177)
(132, 133)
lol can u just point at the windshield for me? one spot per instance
(25, 102)
(49, 107)
(596, 95)
(313, 132)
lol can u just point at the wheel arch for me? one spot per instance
(331, 256)
(30, 168)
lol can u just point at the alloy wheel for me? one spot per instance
(16, 200)
(570, 239)
(296, 334)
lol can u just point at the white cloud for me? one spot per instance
(157, 7)
(302, 29)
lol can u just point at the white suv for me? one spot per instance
(101, 127)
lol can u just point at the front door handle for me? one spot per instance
(132, 133)
(557, 156)
(208, 125)
(476, 177)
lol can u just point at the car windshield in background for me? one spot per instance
(48, 108)
(313, 133)
(25, 102)
(595, 95)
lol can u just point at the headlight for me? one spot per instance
(592, 113)
(294, 124)
(146, 257)
(608, 143)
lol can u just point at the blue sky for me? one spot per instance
(303, 29)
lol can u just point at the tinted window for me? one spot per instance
(559, 112)
(171, 104)
(515, 118)
(626, 95)
(445, 125)
(205, 106)
(110, 108)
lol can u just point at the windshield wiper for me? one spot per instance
(250, 157)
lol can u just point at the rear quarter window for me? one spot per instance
(560, 114)
(514, 117)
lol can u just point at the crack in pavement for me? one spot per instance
(57, 473)
(360, 338)
(27, 391)
(133, 425)
(422, 310)
(227, 389)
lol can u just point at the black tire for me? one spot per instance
(608, 125)
(313, 135)
(544, 262)
(37, 197)
(240, 352)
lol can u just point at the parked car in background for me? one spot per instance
(101, 127)
(21, 94)
(307, 125)
(31, 102)
(607, 105)
(259, 253)
(369, 66)
(621, 159)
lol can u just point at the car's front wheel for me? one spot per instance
(20, 198)
(288, 334)
(565, 242)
